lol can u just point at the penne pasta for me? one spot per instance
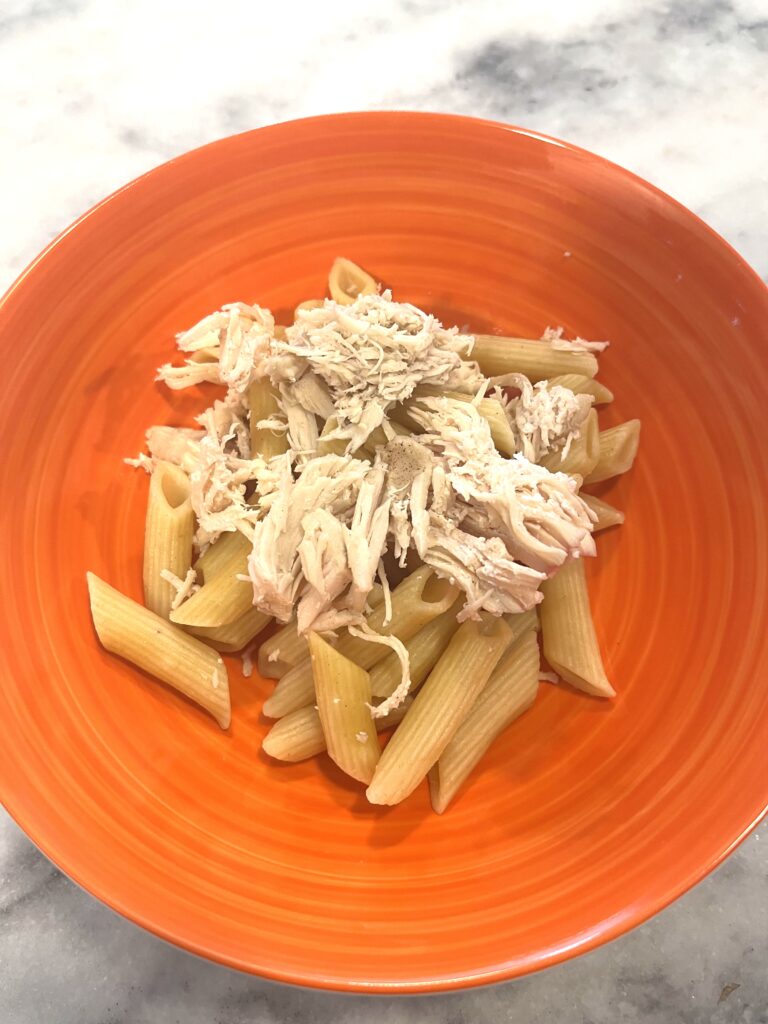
(509, 692)
(300, 735)
(281, 651)
(521, 623)
(424, 648)
(224, 598)
(347, 281)
(618, 448)
(583, 453)
(343, 694)
(581, 385)
(439, 708)
(536, 359)
(219, 555)
(235, 635)
(420, 598)
(168, 533)
(568, 633)
(287, 648)
(606, 514)
(149, 641)
(262, 405)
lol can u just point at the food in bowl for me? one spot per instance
(404, 500)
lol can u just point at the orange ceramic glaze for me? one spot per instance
(587, 816)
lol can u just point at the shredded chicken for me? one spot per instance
(545, 418)
(555, 337)
(370, 355)
(142, 461)
(240, 333)
(323, 525)
(183, 588)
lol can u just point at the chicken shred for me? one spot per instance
(322, 524)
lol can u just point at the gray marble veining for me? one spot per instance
(92, 93)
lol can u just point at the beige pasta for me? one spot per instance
(224, 598)
(420, 598)
(606, 514)
(286, 648)
(262, 405)
(618, 448)
(282, 651)
(583, 453)
(347, 281)
(219, 555)
(568, 633)
(521, 622)
(536, 359)
(581, 385)
(424, 648)
(343, 693)
(235, 635)
(509, 692)
(154, 645)
(439, 708)
(300, 735)
(168, 533)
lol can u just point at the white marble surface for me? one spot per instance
(92, 93)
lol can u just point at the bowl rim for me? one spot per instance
(608, 931)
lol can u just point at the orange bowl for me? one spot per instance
(586, 817)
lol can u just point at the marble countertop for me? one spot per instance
(94, 92)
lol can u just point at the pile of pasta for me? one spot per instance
(470, 673)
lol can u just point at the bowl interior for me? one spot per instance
(586, 817)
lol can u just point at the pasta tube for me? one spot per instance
(536, 359)
(235, 635)
(568, 633)
(423, 651)
(286, 648)
(343, 692)
(300, 735)
(347, 281)
(168, 533)
(262, 405)
(420, 598)
(223, 598)
(439, 708)
(521, 622)
(618, 448)
(606, 514)
(149, 641)
(219, 555)
(509, 692)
